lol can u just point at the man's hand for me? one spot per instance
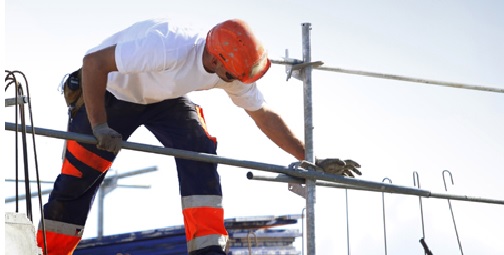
(337, 166)
(108, 139)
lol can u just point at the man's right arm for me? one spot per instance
(95, 69)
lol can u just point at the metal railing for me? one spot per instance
(288, 174)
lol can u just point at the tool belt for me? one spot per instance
(72, 90)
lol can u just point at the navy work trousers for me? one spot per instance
(176, 123)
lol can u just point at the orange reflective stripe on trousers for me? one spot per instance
(87, 157)
(61, 238)
(201, 117)
(58, 244)
(204, 221)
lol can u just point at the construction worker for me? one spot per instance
(140, 76)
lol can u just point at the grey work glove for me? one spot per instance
(108, 139)
(336, 166)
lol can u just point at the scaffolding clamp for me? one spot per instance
(298, 188)
(294, 67)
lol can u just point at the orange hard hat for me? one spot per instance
(234, 44)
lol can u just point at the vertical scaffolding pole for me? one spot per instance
(101, 199)
(309, 155)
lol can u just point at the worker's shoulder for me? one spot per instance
(236, 86)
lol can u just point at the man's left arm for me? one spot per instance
(275, 128)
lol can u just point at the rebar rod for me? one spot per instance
(29, 209)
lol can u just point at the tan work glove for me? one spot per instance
(108, 139)
(332, 165)
(336, 166)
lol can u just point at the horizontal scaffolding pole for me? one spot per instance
(397, 77)
(289, 179)
(294, 172)
(22, 197)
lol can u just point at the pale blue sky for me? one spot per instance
(392, 128)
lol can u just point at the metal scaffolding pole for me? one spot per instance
(308, 139)
(110, 184)
(403, 190)
(296, 174)
(396, 77)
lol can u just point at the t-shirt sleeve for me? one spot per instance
(146, 54)
(246, 96)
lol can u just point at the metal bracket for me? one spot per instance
(295, 69)
(297, 188)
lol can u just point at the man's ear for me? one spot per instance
(209, 61)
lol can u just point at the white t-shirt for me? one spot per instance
(157, 60)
